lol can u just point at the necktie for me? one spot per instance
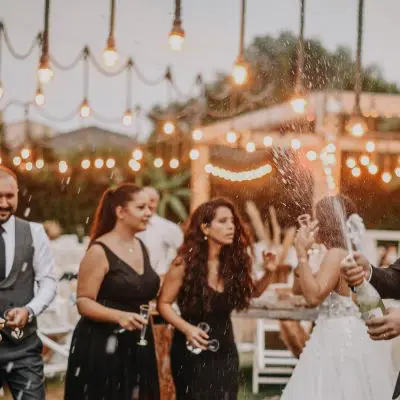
(2, 255)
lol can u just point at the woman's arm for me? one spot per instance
(296, 289)
(169, 292)
(270, 266)
(92, 271)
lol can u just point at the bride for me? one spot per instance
(340, 361)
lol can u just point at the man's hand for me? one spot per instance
(17, 317)
(355, 274)
(386, 327)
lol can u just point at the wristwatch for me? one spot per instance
(31, 314)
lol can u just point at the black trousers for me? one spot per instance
(21, 368)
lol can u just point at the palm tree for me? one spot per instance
(172, 188)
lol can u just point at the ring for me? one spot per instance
(385, 335)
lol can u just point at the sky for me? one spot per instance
(142, 27)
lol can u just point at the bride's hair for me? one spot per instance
(332, 213)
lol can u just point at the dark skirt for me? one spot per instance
(208, 375)
(103, 365)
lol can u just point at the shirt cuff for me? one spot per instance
(370, 273)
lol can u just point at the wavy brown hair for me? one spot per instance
(235, 262)
(332, 213)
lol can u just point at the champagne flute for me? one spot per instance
(144, 313)
(213, 345)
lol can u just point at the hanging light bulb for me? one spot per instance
(194, 154)
(370, 146)
(356, 172)
(128, 117)
(373, 169)
(29, 166)
(311, 155)
(296, 144)
(110, 163)
(197, 135)
(39, 163)
(25, 153)
(351, 162)
(267, 141)
(231, 137)
(137, 154)
(364, 160)
(357, 126)
(174, 163)
(98, 163)
(250, 147)
(387, 177)
(158, 162)
(110, 54)
(45, 73)
(176, 37)
(39, 97)
(85, 109)
(168, 127)
(240, 72)
(63, 167)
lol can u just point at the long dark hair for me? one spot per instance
(235, 262)
(105, 216)
(332, 213)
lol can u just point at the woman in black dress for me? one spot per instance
(210, 277)
(115, 279)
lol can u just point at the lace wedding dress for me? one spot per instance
(340, 361)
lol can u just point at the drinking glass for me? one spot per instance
(144, 313)
(213, 345)
(16, 332)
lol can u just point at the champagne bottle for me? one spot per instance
(369, 301)
(367, 297)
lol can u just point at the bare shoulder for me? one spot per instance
(178, 267)
(335, 256)
(95, 257)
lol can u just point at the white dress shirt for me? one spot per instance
(162, 239)
(43, 264)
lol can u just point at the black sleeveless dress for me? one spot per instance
(107, 365)
(211, 376)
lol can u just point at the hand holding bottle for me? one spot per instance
(355, 269)
(386, 327)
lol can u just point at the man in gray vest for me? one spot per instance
(26, 262)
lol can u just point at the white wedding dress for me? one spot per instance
(340, 361)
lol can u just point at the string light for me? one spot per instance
(299, 104)
(110, 163)
(250, 147)
(296, 144)
(85, 164)
(331, 148)
(158, 162)
(364, 160)
(137, 154)
(386, 177)
(39, 163)
(110, 54)
(134, 165)
(356, 171)
(267, 141)
(25, 153)
(351, 162)
(370, 146)
(29, 166)
(231, 137)
(169, 128)
(373, 169)
(174, 163)
(194, 154)
(240, 72)
(17, 161)
(127, 118)
(197, 135)
(311, 155)
(397, 171)
(98, 163)
(238, 176)
(45, 73)
(357, 126)
(85, 110)
(39, 97)
(63, 167)
(176, 37)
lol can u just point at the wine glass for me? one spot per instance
(16, 333)
(144, 313)
(213, 345)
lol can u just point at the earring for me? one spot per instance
(205, 237)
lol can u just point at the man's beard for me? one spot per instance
(10, 211)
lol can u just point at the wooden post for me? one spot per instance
(200, 180)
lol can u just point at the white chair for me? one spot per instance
(270, 366)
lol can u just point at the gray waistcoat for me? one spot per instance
(18, 288)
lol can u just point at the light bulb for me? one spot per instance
(364, 160)
(39, 97)
(373, 169)
(351, 162)
(296, 144)
(29, 166)
(85, 109)
(250, 147)
(311, 155)
(25, 153)
(134, 165)
(39, 163)
(231, 137)
(110, 56)
(357, 126)
(85, 164)
(158, 162)
(356, 171)
(386, 177)
(194, 154)
(397, 171)
(197, 135)
(169, 128)
(17, 161)
(174, 163)
(240, 72)
(63, 167)
(98, 163)
(267, 141)
(370, 146)
(176, 37)
(45, 74)
(127, 118)
(110, 163)
(137, 154)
